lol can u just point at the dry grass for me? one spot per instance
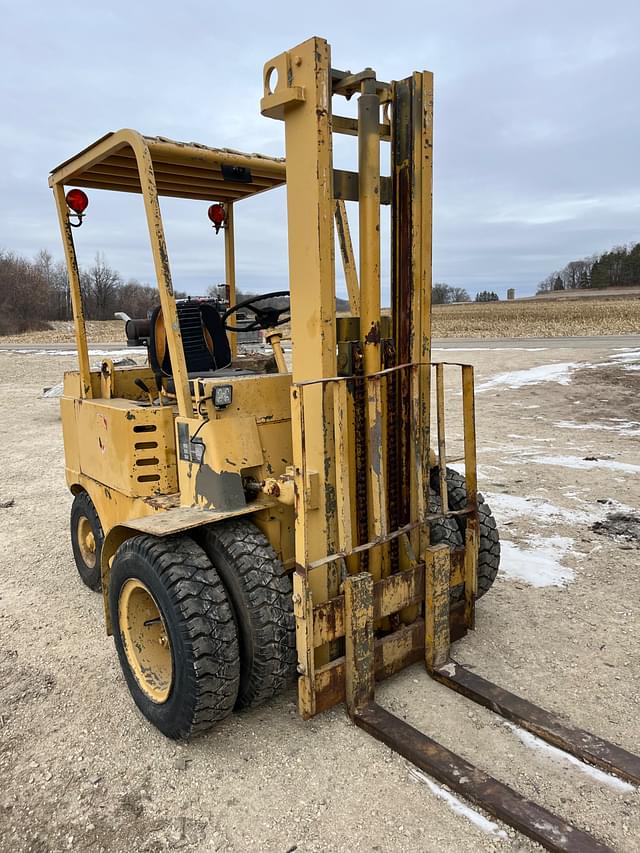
(519, 319)
(98, 332)
(538, 319)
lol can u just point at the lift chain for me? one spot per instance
(360, 422)
(389, 360)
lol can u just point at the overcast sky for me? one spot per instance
(537, 123)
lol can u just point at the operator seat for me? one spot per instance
(204, 340)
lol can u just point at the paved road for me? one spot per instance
(438, 343)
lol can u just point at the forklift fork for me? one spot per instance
(533, 820)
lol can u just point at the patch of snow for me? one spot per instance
(458, 806)
(627, 355)
(507, 507)
(584, 464)
(489, 349)
(483, 470)
(621, 427)
(513, 379)
(110, 353)
(540, 566)
(558, 755)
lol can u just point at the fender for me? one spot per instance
(166, 523)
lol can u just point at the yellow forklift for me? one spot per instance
(248, 524)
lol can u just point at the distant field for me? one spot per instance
(538, 319)
(98, 332)
(605, 293)
(527, 318)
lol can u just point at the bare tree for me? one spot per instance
(547, 283)
(23, 295)
(459, 294)
(100, 284)
(136, 299)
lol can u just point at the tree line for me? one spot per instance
(444, 294)
(34, 291)
(619, 267)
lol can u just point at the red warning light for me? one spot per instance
(217, 215)
(77, 201)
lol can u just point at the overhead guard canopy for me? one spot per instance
(181, 169)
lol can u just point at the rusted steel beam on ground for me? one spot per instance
(545, 724)
(473, 784)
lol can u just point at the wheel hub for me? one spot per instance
(146, 641)
(87, 542)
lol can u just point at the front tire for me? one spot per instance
(175, 634)
(86, 540)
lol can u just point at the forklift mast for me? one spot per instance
(362, 385)
(372, 594)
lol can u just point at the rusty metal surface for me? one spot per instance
(75, 291)
(348, 259)
(344, 450)
(390, 595)
(473, 784)
(391, 654)
(437, 575)
(545, 724)
(183, 170)
(349, 126)
(442, 451)
(359, 644)
(346, 187)
(186, 518)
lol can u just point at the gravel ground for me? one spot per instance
(82, 770)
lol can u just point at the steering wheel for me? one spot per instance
(267, 317)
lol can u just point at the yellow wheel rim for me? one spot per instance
(146, 641)
(86, 542)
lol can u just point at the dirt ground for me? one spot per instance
(80, 769)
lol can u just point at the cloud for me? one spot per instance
(536, 124)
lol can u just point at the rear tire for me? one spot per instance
(489, 550)
(260, 591)
(444, 530)
(86, 540)
(175, 634)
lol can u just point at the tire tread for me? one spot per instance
(206, 626)
(261, 594)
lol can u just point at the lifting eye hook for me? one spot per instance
(79, 216)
